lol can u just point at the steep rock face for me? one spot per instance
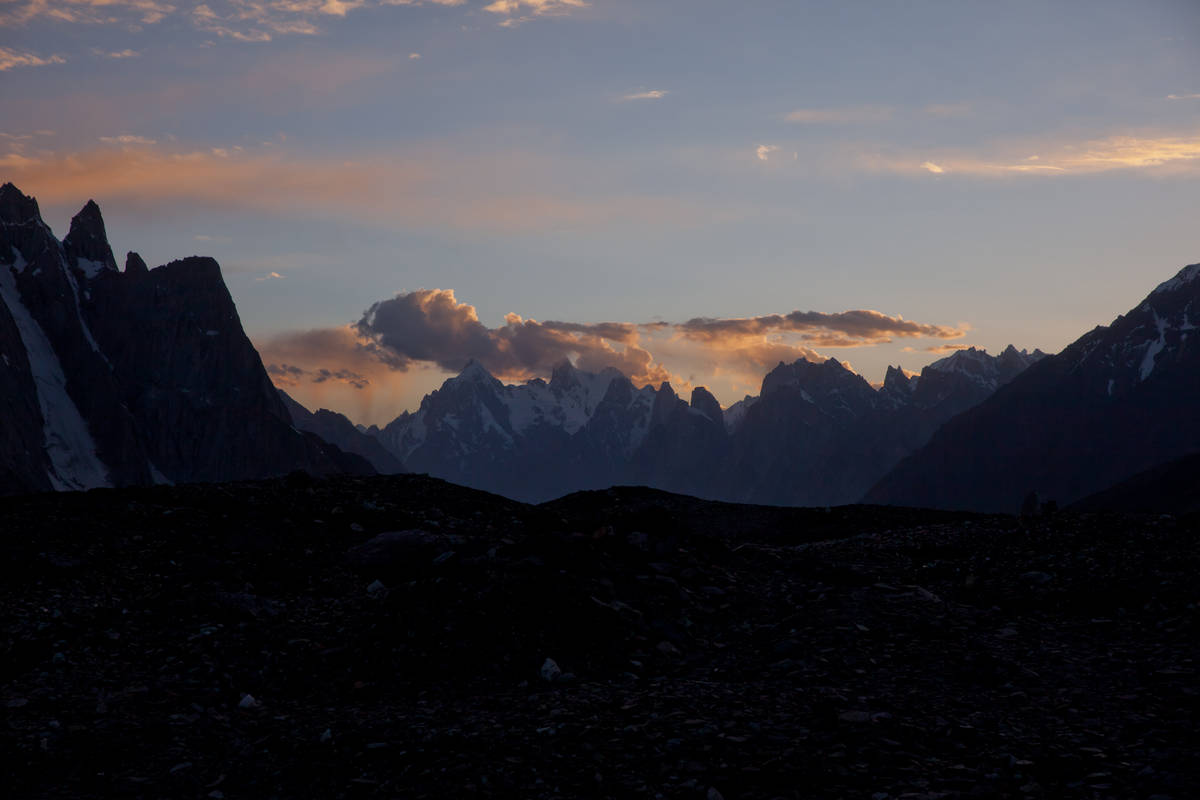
(339, 431)
(1119, 400)
(129, 378)
(24, 466)
(813, 438)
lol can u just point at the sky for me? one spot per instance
(688, 190)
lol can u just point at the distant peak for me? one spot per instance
(706, 404)
(563, 375)
(88, 241)
(16, 206)
(475, 371)
(1183, 277)
(134, 265)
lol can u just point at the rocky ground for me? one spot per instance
(402, 637)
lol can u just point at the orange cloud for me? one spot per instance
(939, 348)
(432, 328)
(10, 59)
(839, 116)
(519, 11)
(426, 187)
(1148, 153)
(843, 329)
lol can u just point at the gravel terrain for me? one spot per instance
(404, 637)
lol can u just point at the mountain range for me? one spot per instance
(120, 378)
(137, 376)
(817, 433)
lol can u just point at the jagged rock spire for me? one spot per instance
(88, 240)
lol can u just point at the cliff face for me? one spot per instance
(127, 378)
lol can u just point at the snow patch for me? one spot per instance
(1154, 348)
(1185, 275)
(83, 326)
(90, 268)
(73, 458)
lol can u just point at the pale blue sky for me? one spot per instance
(1016, 171)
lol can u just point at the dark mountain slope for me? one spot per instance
(1172, 488)
(1119, 400)
(126, 378)
(338, 430)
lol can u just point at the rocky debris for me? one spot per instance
(221, 640)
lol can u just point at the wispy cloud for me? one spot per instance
(646, 94)
(839, 116)
(516, 12)
(763, 151)
(421, 186)
(1151, 154)
(270, 276)
(128, 139)
(940, 349)
(11, 59)
(237, 20)
(126, 53)
(88, 12)
(1193, 96)
(413, 56)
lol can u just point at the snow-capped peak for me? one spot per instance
(1184, 276)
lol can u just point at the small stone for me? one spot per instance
(376, 589)
(248, 701)
(327, 736)
(713, 794)
(855, 716)
(550, 671)
(1036, 577)
(667, 648)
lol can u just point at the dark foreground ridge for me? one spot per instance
(284, 639)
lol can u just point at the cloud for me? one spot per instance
(118, 54)
(1159, 154)
(763, 151)
(127, 139)
(649, 94)
(269, 277)
(291, 375)
(819, 329)
(420, 186)
(839, 116)
(431, 325)
(413, 56)
(939, 348)
(1193, 96)
(517, 12)
(398, 341)
(11, 59)
(88, 12)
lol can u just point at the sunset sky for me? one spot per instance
(687, 190)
